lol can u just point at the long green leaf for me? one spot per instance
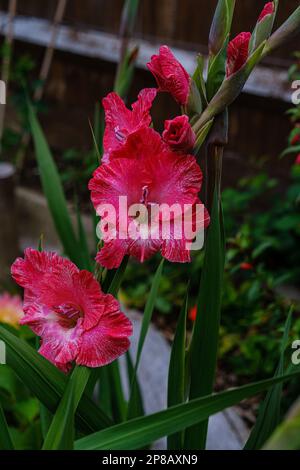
(204, 343)
(141, 431)
(118, 278)
(176, 379)
(104, 395)
(118, 405)
(116, 390)
(45, 417)
(132, 409)
(47, 383)
(53, 191)
(61, 432)
(269, 414)
(111, 392)
(83, 243)
(138, 397)
(5, 438)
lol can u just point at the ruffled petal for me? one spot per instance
(144, 249)
(112, 253)
(121, 122)
(170, 75)
(108, 340)
(33, 271)
(59, 344)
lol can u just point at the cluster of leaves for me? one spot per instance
(21, 408)
(20, 71)
(266, 243)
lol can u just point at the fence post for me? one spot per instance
(8, 221)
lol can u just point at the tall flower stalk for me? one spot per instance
(64, 305)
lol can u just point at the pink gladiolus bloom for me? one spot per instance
(179, 135)
(76, 321)
(237, 53)
(268, 9)
(170, 75)
(11, 309)
(297, 161)
(121, 121)
(148, 173)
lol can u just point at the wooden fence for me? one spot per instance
(258, 126)
(180, 22)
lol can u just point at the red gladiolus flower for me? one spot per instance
(297, 161)
(268, 9)
(121, 121)
(237, 53)
(193, 313)
(179, 135)
(246, 266)
(149, 174)
(76, 321)
(170, 75)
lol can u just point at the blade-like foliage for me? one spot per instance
(61, 432)
(47, 383)
(176, 380)
(5, 438)
(204, 344)
(132, 408)
(53, 191)
(83, 243)
(139, 432)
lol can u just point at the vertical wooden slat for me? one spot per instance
(8, 221)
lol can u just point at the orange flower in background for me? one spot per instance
(193, 313)
(246, 266)
(11, 309)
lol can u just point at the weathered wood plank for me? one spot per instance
(265, 81)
